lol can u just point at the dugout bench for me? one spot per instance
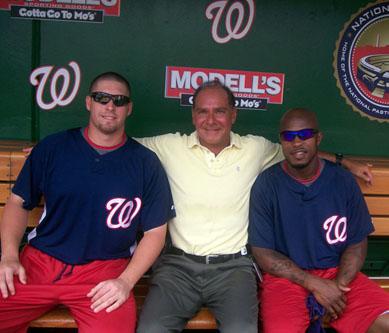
(12, 159)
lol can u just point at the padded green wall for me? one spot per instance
(293, 37)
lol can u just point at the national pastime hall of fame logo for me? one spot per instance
(361, 61)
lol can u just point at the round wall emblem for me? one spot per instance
(361, 61)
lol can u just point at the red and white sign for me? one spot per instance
(109, 7)
(185, 80)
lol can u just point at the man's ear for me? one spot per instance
(234, 115)
(88, 102)
(129, 111)
(320, 136)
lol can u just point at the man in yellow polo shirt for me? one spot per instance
(211, 173)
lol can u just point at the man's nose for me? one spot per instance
(110, 105)
(210, 118)
(297, 141)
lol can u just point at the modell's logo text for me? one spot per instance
(253, 90)
(361, 62)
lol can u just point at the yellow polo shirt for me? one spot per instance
(211, 193)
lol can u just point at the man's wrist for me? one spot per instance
(338, 158)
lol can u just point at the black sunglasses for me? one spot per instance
(104, 98)
(303, 134)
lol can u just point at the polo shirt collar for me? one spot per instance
(235, 140)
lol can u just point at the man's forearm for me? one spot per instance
(351, 262)
(279, 265)
(146, 253)
(13, 226)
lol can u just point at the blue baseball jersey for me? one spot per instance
(312, 225)
(94, 204)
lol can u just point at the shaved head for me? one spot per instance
(298, 115)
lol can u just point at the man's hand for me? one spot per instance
(359, 170)
(27, 151)
(109, 295)
(329, 294)
(9, 268)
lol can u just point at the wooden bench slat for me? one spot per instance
(57, 318)
(378, 205)
(14, 145)
(381, 225)
(17, 162)
(4, 192)
(380, 183)
(60, 317)
(5, 164)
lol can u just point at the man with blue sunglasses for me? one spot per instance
(308, 227)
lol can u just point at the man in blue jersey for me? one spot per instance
(100, 188)
(308, 227)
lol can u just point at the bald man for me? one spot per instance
(308, 227)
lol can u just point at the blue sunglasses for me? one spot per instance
(304, 134)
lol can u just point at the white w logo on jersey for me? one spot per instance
(336, 229)
(122, 212)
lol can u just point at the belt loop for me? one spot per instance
(209, 256)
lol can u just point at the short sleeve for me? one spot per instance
(261, 214)
(359, 220)
(30, 182)
(158, 205)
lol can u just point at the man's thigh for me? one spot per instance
(29, 302)
(283, 306)
(231, 294)
(173, 298)
(121, 320)
(365, 302)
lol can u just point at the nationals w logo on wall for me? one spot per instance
(56, 86)
(361, 61)
(230, 19)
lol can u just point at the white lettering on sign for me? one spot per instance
(246, 84)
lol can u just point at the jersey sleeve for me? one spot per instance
(158, 205)
(30, 182)
(359, 220)
(261, 214)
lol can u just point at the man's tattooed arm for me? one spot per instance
(351, 263)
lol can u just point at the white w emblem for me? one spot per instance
(123, 211)
(336, 229)
(235, 31)
(58, 96)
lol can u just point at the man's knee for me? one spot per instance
(151, 326)
(381, 324)
(239, 326)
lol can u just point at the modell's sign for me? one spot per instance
(62, 10)
(252, 90)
